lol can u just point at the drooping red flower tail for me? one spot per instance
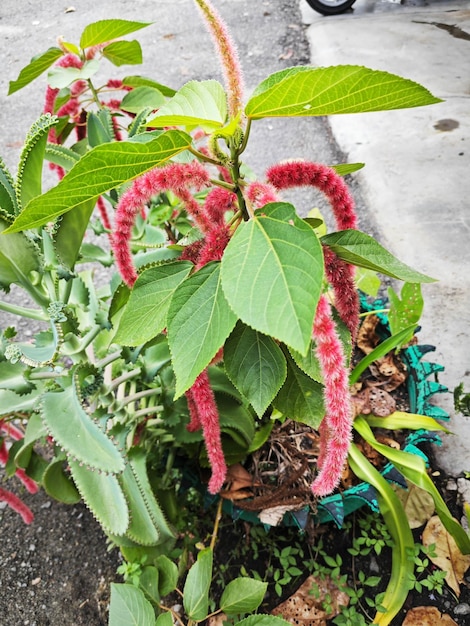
(17, 505)
(195, 421)
(339, 413)
(260, 194)
(340, 275)
(304, 173)
(228, 56)
(176, 177)
(208, 414)
(218, 202)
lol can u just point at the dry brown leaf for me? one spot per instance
(217, 620)
(367, 338)
(427, 616)
(273, 515)
(239, 482)
(306, 609)
(418, 504)
(448, 556)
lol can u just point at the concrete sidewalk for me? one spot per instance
(416, 183)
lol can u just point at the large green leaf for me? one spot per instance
(106, 30)
(196, 103)
(146, 311)
(300, 398)
(362, 250)
(18, 257)
(307, 91)
(196, 587)
(11, 402)
(123, 53)
(103, 496)
(242, 595)
(199, 321)
(38, 64)
(61, 77)
(256, 366)
(105, 167)
(142, 81)
(58, 484)
(74, 430)
(272, 273)
(129, 607)
(407, 310)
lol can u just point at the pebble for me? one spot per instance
(451, 485)
(462, 609)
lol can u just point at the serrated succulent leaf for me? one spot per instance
(18, 257)
(73, 429)
(11, 402)
(104, 497)
(99, 128)
(12, 378)
(8, 202)
(29, 177)
(60, 155)
(58, 484)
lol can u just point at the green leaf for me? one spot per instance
(399, 420)
(256, 366)
(106, 30)
(196, 587)
(70, 232)
(11, 402)
(12, 377)
(363, 250)
(99, 128)
(103, 496)
(167, 575)
(347, 168)
(58, 484)
(145, 314)
(403, 541)
(8, 202)
(148, 582)
(75, 430)
(29, 177)
(123, 53)
(406, 311)
(38, 64)
(300, 398)
(196, 103)
(242, 595)
(164, 619)
(103, 168)
(272, 273)
(129, 607)
(141, 81)
(18, 258)
(199, 321)
(60, 77)
(308, 91)
(413, 468)
(142, 97)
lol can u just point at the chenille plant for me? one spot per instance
(222, 307)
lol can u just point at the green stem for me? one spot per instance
(141, 394)
(23, 311)
(147, 411)
(110, 358)
(246, 134)
(94, 93)
(375, 312)
(46, 375)
(124, 377)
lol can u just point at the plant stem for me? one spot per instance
(24, 312)
(375, 312)
(94, 93)
(218, 517)
(141, 394)
(114, 356)
(122, 379)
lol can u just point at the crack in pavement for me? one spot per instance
(454, 31)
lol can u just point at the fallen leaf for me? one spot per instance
(305, 606)
(239, 483)
(418, 504)
(427, 616)
(367, 338)
(448, 556)
(273, 515)
(217, 620)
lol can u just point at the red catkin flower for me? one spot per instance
(217, 203)
(336, 433)
(227, 54)
(176, 177)
(195, 421)
(17, 505)
(304, 173)
(208, 416)
(339, 273)
(260, 194)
